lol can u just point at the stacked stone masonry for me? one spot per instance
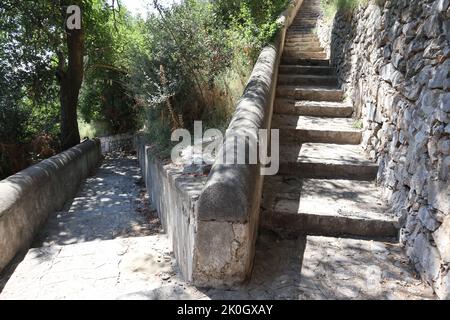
(393, 60)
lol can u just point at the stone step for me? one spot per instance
(304, 54)
(308, 28)
(292, 206)
(294, 31)
(311, 70)
(304, 80)
(295, 37)
(308, 12)
(313, 108)
(302, 129)
(305, 19)
(300, 34)
(303, 22)
(310, 93)
(303, 46)
(313, 43)
(327, 161)
(302, 26)
(348, 269)
(305, 62)
(307, 15)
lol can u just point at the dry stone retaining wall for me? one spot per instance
(118, 142)
(393, 59)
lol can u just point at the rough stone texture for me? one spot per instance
(393, 60)
(28, 197)
(120, 142)
(293, 206)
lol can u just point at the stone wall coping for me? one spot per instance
(28, 197)
(18, 186)
(229, 191)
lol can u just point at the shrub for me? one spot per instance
(196, 59)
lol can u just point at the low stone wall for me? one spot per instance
(229, 206)
(28, 197)
(174, 194)
(393, 58)
(213, 221)
(118, 142)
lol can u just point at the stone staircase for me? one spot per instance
(326, 189)
(326, 185)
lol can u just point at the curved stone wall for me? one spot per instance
(28, 197)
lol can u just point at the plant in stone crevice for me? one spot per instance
(358, 124)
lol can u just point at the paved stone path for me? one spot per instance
(104, 244)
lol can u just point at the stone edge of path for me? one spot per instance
(29, 196)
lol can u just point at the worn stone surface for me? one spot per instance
(292, 206)
(442, 240)
(116, 249)
(354, 269)
(316, 129)
(398, 79)
(173, 193)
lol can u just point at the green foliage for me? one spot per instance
(190, 62)
(196, 59)
(174, 73)
(358, 124)
(105, 96)
(331, 7)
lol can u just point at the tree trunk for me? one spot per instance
(70, 83)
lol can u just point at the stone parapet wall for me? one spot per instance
(393, 59)
(229, 206)
(174, 194)
(213, 222)
(28, 197)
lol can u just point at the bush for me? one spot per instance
(176, 71)
(254, 22)
(196, 59)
